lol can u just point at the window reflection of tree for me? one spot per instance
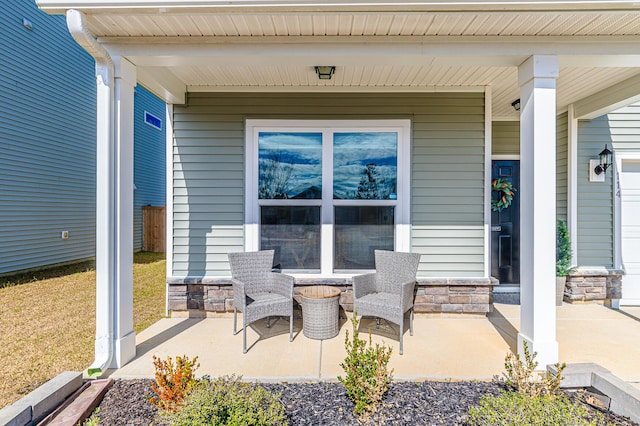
(373, 185)
(275, 177)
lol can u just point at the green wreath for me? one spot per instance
(505, 194)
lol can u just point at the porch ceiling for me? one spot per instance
(574, 83)
(266, 45)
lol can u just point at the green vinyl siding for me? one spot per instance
(447, 171)
(505, 138)
(562, 155)
(619, 129)
(595, 199)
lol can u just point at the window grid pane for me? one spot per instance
(294, 233)
(358, 232)
(289, 165)
(365, 165)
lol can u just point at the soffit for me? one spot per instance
(181, 33)
(574, 24)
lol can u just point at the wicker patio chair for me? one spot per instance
(258, 292)
(388, 293)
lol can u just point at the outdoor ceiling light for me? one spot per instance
(516, 104)
(325, 72)
(605, 161)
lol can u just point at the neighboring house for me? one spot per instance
(47, 143)
(327, 130)
(149, 174)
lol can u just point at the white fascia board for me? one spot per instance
(163, 83)
(337, 89)
(163, 6)
(610, 99)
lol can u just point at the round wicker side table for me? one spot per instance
(320, 306)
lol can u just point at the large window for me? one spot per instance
(325, 194)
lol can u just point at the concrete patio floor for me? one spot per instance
(442, 347)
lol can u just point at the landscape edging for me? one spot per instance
(33, 407)
(625, 399)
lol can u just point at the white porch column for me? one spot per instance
(124, 85)
(537, 81)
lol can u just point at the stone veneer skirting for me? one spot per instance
(433, 295)
(593, 285)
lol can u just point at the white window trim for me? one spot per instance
(327, 128)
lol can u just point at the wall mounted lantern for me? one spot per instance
(605, 161)
(325, 72)
(516, 104)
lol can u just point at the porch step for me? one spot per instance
(79, 405)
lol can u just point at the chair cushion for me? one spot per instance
(375, 301)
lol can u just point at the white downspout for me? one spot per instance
(105, 247)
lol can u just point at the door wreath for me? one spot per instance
(505, 191)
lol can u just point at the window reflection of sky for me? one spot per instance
(303, 151)
(352, 151)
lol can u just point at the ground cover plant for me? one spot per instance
(47, 320)
(228, 401)
(532, 398)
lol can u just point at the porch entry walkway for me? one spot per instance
(442, 347)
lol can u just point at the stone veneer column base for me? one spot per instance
(197, 296)
(594, 285)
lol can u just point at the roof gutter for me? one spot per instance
(105, 245)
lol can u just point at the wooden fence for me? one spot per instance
(153, 229)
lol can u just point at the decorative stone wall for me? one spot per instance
(593, 285)
(438, 295)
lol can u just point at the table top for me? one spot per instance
(320, 292)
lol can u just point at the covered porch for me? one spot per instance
(447, 71)
(442, 347)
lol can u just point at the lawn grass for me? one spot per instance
(47, 320)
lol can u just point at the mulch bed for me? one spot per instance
(406, 403)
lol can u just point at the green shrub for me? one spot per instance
(173, 381)
(521, 376)
(517, 409)
(367, 376)
(563, 250)
(228, 401)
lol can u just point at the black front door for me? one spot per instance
(505, 226)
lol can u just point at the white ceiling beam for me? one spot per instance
(306, 51)
(610, 99)
(328, 88)
(163, 83)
